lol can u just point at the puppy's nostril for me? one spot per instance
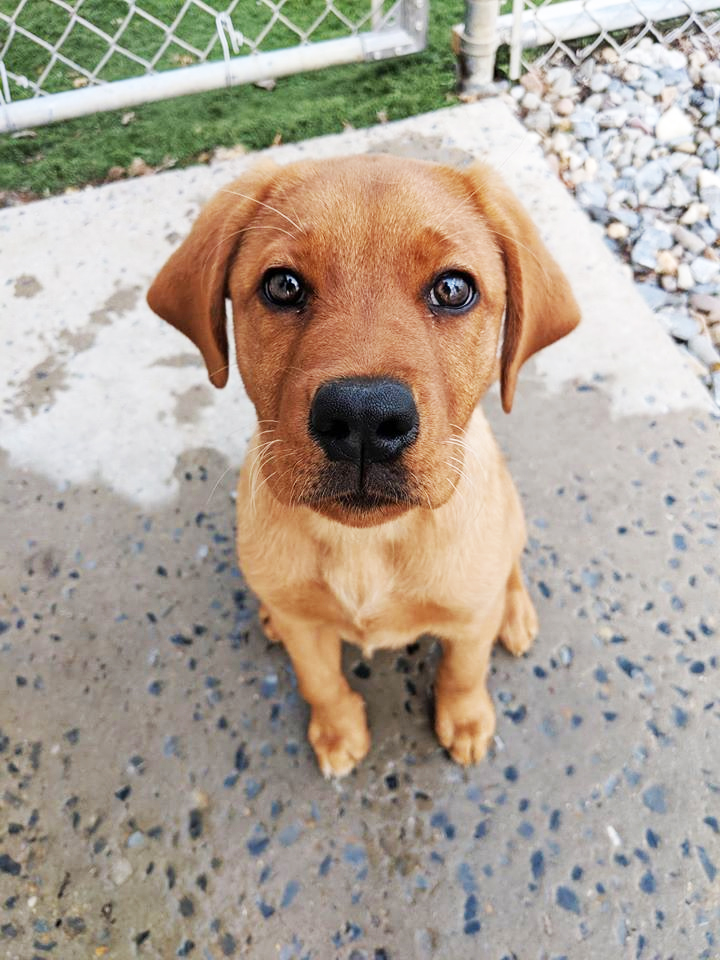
(391, 429)
(336, 430)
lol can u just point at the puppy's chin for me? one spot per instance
(360, 510)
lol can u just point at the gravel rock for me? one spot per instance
(617, 230)
(638, 140)
(650, 243)
(711, 72)
(616, 118)
(591, 194)
(653, 296)
(666, 263)
(540, 121)
(691, 241)
(651, 177)
(704, 271)
(599, 82)
(703, 348)
(531, 101)
(685, 278)
(680, 324)
(532, 82)
(561, 80)
(707, 303)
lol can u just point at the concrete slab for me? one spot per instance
(157, 796)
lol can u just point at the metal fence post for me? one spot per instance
(475, 46)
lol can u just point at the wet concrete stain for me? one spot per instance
(190, 404)
(27, 286)
(39, 389)
(160, 798)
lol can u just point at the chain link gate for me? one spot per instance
(95, 55)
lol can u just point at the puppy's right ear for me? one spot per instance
(190, 290)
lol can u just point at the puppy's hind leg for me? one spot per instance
(520, 623)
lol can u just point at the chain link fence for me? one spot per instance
(575, 28)
(66, 58)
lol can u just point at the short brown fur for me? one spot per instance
(368, 235)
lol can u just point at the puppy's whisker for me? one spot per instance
(236, 233)
(463, 446)
(245, 196)
(218, 482)
(467, 448)
(265, 480)
(523, 246)
(261, 456)
(263, 226)
(423, 490)
(460, 489)
(214, 373)
(460, 465)
(266, 444)
(292, 490)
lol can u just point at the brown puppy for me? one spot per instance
(374, 300)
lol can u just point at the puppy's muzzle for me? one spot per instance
(364, 420)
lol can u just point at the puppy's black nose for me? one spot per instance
(364, 419)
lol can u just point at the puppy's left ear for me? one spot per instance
(540, 307)
(190, 290)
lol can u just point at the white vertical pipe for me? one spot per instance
(478, 42)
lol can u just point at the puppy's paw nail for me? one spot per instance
(340, 738)
(267, 625)
(469, 744)
(465, 733)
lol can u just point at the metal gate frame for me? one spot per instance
(397, 33)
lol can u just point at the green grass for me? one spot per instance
(180, 131)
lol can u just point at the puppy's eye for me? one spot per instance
(283, 288)
(453, 291)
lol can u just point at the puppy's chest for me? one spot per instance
(377, 597)
(362, 584)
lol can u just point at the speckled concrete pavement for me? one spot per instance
(157, 795)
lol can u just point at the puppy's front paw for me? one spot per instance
(339, 735)
(465, 725)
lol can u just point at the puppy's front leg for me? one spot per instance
(338, 729)
(464, 712)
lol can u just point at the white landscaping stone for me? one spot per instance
(685, 279)
(674, 126)
(704, 270)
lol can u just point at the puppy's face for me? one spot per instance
(365, 334)
(368, 297)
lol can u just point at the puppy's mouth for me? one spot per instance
(377, 488)
(361, 500)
